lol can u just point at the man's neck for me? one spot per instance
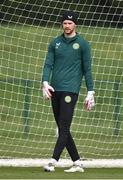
(70, 35)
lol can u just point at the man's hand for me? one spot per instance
(89, 101)
(47, 89)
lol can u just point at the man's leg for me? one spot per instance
(50, 167)
(67, 104)
(63, 107)
(71, 148)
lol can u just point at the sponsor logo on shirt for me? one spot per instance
(57, 45)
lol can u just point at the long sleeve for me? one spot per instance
(48, 65)
(87, 66)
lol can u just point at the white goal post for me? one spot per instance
(27, 126)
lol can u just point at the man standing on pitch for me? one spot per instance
(67, 61)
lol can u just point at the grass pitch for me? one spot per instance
(38, 173)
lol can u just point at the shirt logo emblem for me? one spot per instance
(57, 45)
(75, 46)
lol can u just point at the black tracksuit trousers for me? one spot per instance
(63, 104)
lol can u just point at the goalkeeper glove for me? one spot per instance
(47, 89)
(89, 100)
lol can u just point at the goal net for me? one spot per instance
(27, 126)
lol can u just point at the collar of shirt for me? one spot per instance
(69, 40)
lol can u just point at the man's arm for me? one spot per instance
(47, 89)
(87, 66)
(48, 65)
(89, 101)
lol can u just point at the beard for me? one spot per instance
(68, 31)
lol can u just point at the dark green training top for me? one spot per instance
(67, 61)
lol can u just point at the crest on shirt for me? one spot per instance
(57, 45)
(75, 46)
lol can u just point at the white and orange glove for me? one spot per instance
(89, 101)
(47, 90)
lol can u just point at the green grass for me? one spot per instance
(23, 49)
(38, 173)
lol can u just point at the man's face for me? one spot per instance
(69, 27)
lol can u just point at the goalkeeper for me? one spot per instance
(67, 61)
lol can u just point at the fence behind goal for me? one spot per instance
(27, 127)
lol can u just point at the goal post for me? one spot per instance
(27, 126)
